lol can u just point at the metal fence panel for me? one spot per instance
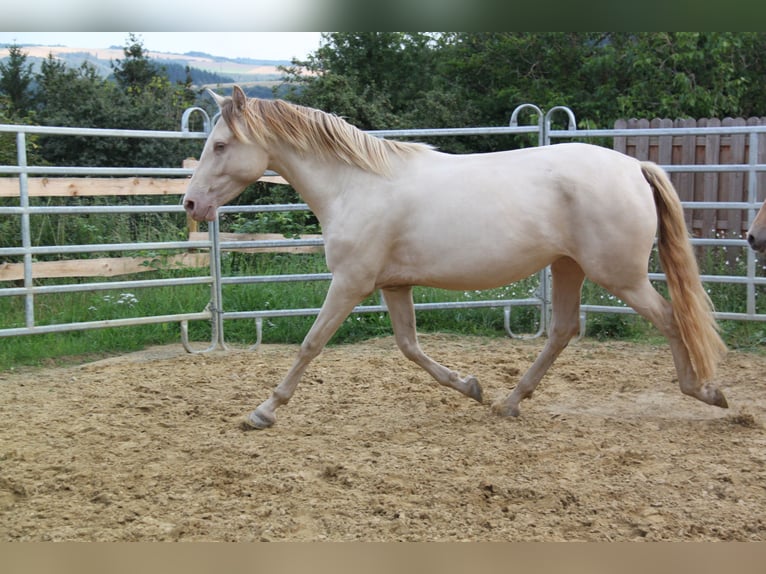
(216, 311)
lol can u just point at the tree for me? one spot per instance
(371, 78)
(140, 97)
(77, 97)
(136, 71)
(687, 74)
(607, 76)
(388, 80)
(15, 79)
(8, 153)
(153, 103)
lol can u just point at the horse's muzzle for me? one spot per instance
(757, 244)
(197, 213)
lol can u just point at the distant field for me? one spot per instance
(255, 71)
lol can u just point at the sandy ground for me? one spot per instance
(149, 446)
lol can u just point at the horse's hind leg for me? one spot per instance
(402, 313)
(648, 303)
(567, 278)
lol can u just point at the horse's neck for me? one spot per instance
(320, 181)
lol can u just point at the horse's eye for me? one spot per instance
(219, 147)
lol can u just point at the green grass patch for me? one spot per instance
(95, 305)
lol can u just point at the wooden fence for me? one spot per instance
(662, 149)
(701, 150)
(113, 266)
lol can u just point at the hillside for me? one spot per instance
(243, 71)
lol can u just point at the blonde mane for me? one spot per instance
(308, 129)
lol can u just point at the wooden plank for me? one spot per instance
(665, 144)
(620, 142)
(642, 142)
(112, 266)
(102, 186)
(94, 186)
(202, 235)
(685, 185)
(274, 179)
(738, 190)
(708, 149)
(710, 187)
(102, 267)
(760, 192)
(654, 142)
(630, 145)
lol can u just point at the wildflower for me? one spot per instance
(127, 299)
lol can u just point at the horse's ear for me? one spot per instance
(239, 98)
(218, 99)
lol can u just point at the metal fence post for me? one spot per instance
(26, 233)
(26, 209)
(752, 192)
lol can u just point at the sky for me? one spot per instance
(257, 45)
(175, 15)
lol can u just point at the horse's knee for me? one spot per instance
(310, 349)
(561, 334)
(571, 331)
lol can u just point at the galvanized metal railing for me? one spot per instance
(540, 299)
(752, 205)
(28, 252)
(216, 311)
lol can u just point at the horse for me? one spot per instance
(756, 235)
(398, 214)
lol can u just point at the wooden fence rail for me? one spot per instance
(662, 149)
(701, 150)
(93, 186)
(113, 266)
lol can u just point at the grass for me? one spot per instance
(97, 305)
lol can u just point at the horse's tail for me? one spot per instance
(692, 308)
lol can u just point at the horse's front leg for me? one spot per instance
(341, 299)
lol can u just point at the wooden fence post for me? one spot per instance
(711, 149)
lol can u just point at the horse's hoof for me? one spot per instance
(503, 409)
(708, 394)
(719, 400)
(259, 421)
(473, 389)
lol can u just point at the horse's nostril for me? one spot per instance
(751, 239)
(188, 205)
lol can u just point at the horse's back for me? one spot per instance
(578, 162)
(495, 218)
(563, 185)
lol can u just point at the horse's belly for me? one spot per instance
(464, 267)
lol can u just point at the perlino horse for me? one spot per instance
(395, 214)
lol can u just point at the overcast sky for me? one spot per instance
(258, 45)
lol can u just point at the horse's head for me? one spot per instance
(230, 161)
(756, 235)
